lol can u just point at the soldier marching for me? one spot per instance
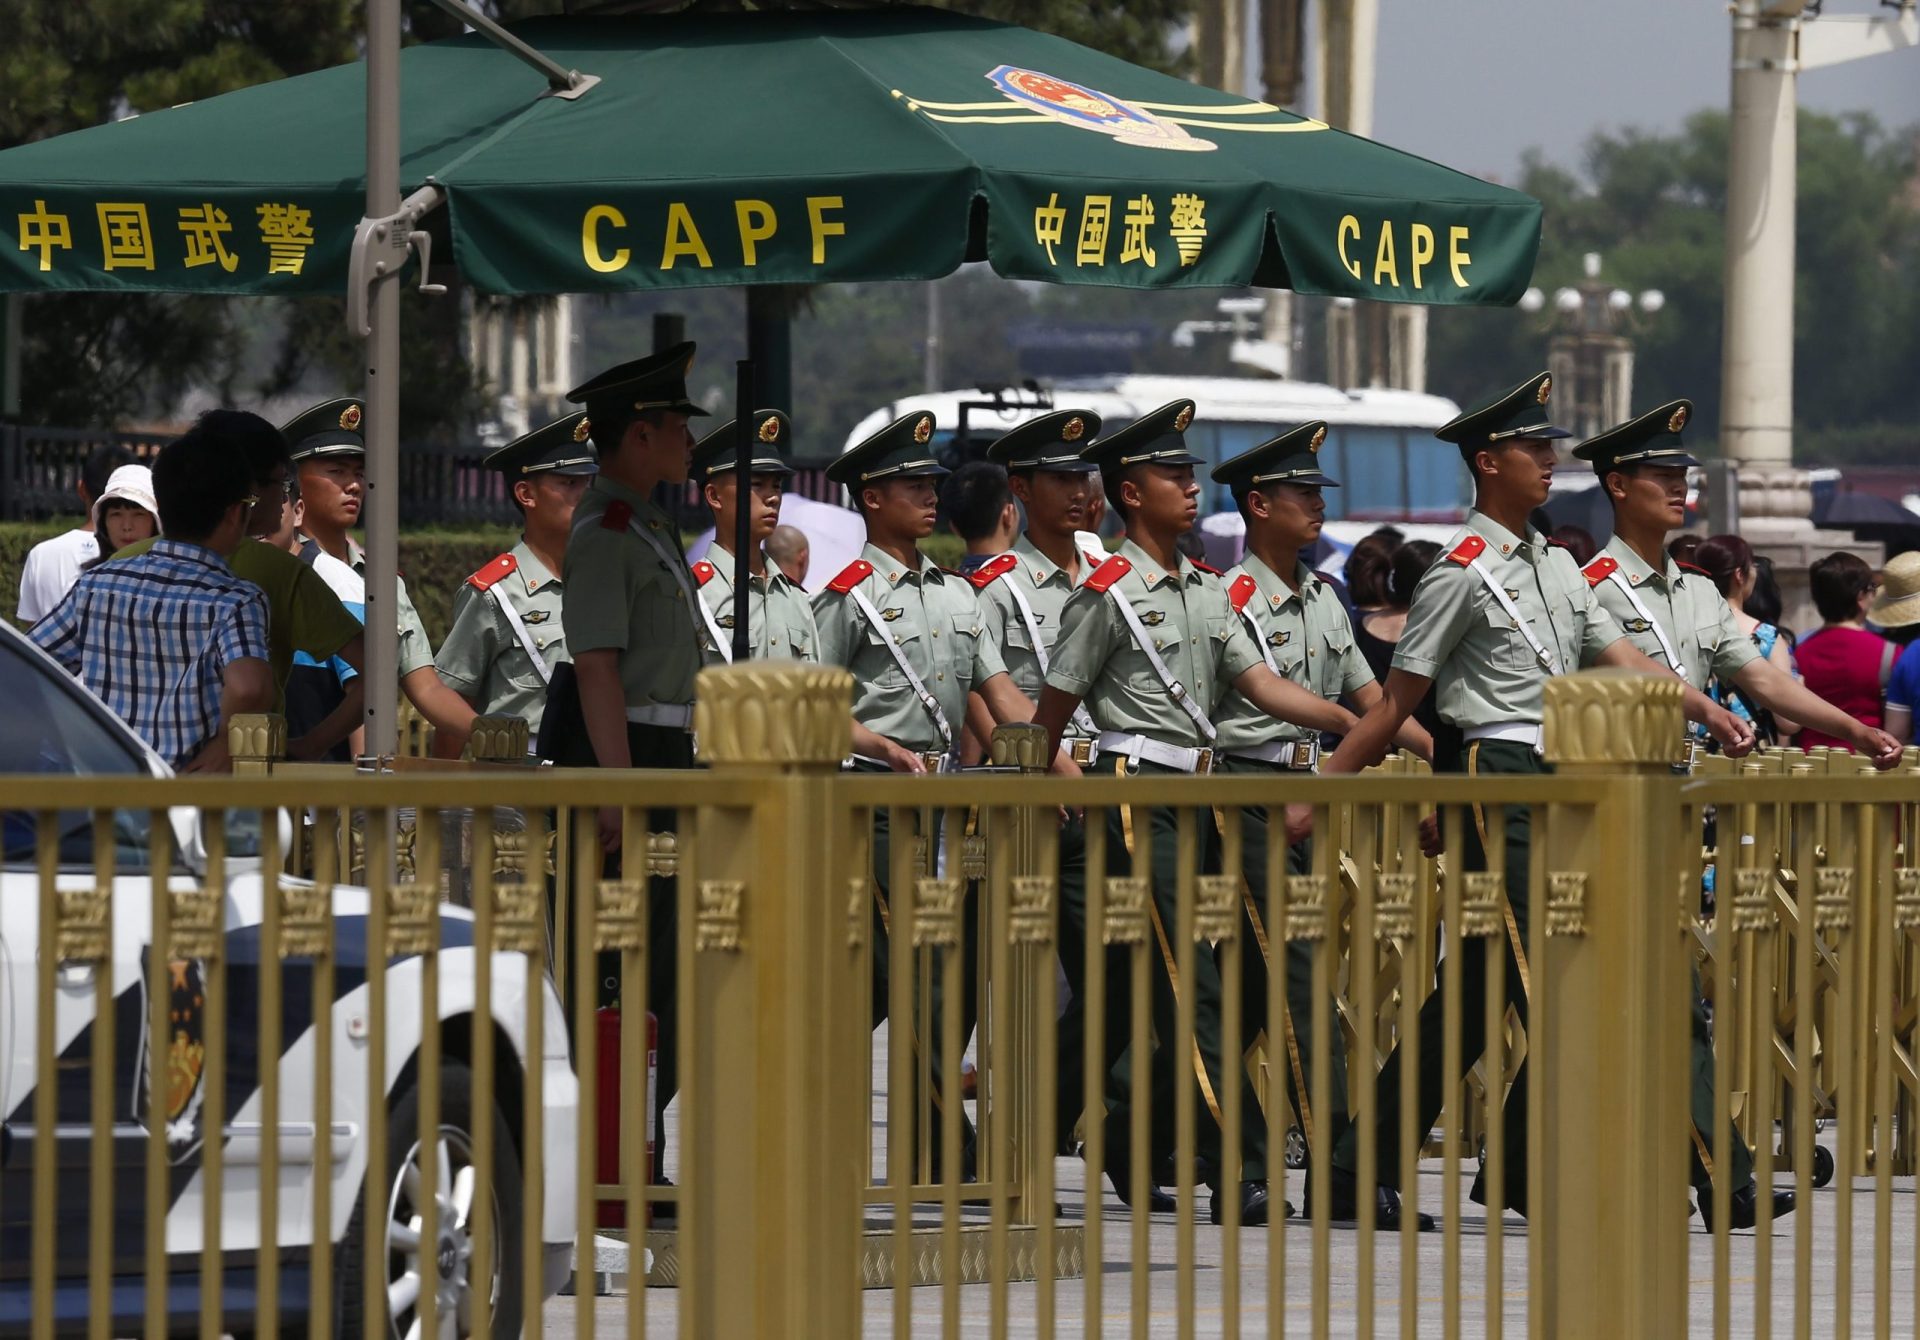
(1136, 661)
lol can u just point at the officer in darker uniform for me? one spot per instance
(633, 629)
(507, 634)
(1150, 644)
(1305, 636)
(779, 614)
(1490, 622)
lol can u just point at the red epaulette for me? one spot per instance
(1599, 570)
(493, 572)
(992, 570)
(617, 515)
(1242, 591)
(1694, 568)
(1204, 568)
(1108, 573)
(1467, 550)
(851, 576)
(703, 572)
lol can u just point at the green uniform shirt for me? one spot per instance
(1689, 608)
(415, 648)
(1197, 634)
(1045, 586)
(779, 614)
(303, 613)
(1310, 640)
(934, 619)
(627, 597)
(483, 659)
(1484, 671)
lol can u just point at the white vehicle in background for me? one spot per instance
(1379, 443)
(55, 727)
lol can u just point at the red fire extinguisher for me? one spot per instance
(613, 1212)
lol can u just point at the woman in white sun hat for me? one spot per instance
(126, 512)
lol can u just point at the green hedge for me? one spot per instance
(434, 561)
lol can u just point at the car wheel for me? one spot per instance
(447, 1266)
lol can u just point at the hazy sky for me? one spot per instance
(1475, 83)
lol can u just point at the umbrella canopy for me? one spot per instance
(1842, 508)
(767, 148)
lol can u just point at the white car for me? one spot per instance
(53, 725)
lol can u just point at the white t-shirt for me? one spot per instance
(51, 569)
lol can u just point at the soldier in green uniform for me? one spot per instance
(1022, 593)
(1489, 623)
(917, 642)
(632, 627)
(507, 633)
(1304, 635)
(1675, 615)
(779, 614)
(329, 456)
(1150, 644)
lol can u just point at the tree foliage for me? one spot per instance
(1654, 207)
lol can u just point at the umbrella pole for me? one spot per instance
(382, 427)
(743, 443)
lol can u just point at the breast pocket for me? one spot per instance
(1507, 645)
(1336, 646)
(522, 672)
(884, 666)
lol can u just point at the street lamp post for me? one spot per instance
(1591, 350)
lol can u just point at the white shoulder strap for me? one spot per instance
(1175, 689)
(919, 685)
(1081, 720)
(1619, 579)
(676, 563)
(721, 643)
(1253, 624)
(519, 626)
(1540, 651)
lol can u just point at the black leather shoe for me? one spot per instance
(665, 1211)
(1255, 1205)
(1120, 1178)
(1345, 1204)
(1743, 1209)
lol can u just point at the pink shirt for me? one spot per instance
(1847, 667)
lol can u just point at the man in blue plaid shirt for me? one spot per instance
(171, 640)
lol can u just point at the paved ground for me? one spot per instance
(1343, 1312)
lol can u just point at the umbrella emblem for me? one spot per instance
(1087, 108)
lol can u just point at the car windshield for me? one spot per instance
(47, 730)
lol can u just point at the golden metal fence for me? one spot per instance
(328, 1048)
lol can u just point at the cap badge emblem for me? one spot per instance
(350, 418)
(1319, 436)
(923, 430)
(582, 430)
(1073, 429)
(770, 429)
(1677, 420)
(1545, 390)
(1183, 418)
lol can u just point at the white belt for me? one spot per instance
(1080, 748)
(1133, 748)
(1301, 755)
(1519, 732)
(674, 716)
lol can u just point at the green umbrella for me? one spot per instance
(768, 148)
(735, 149)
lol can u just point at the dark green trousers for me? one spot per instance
(1505, 758)
(1290, 1055)
(1170, 1065)
(1071, 1077)
(969, 952)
